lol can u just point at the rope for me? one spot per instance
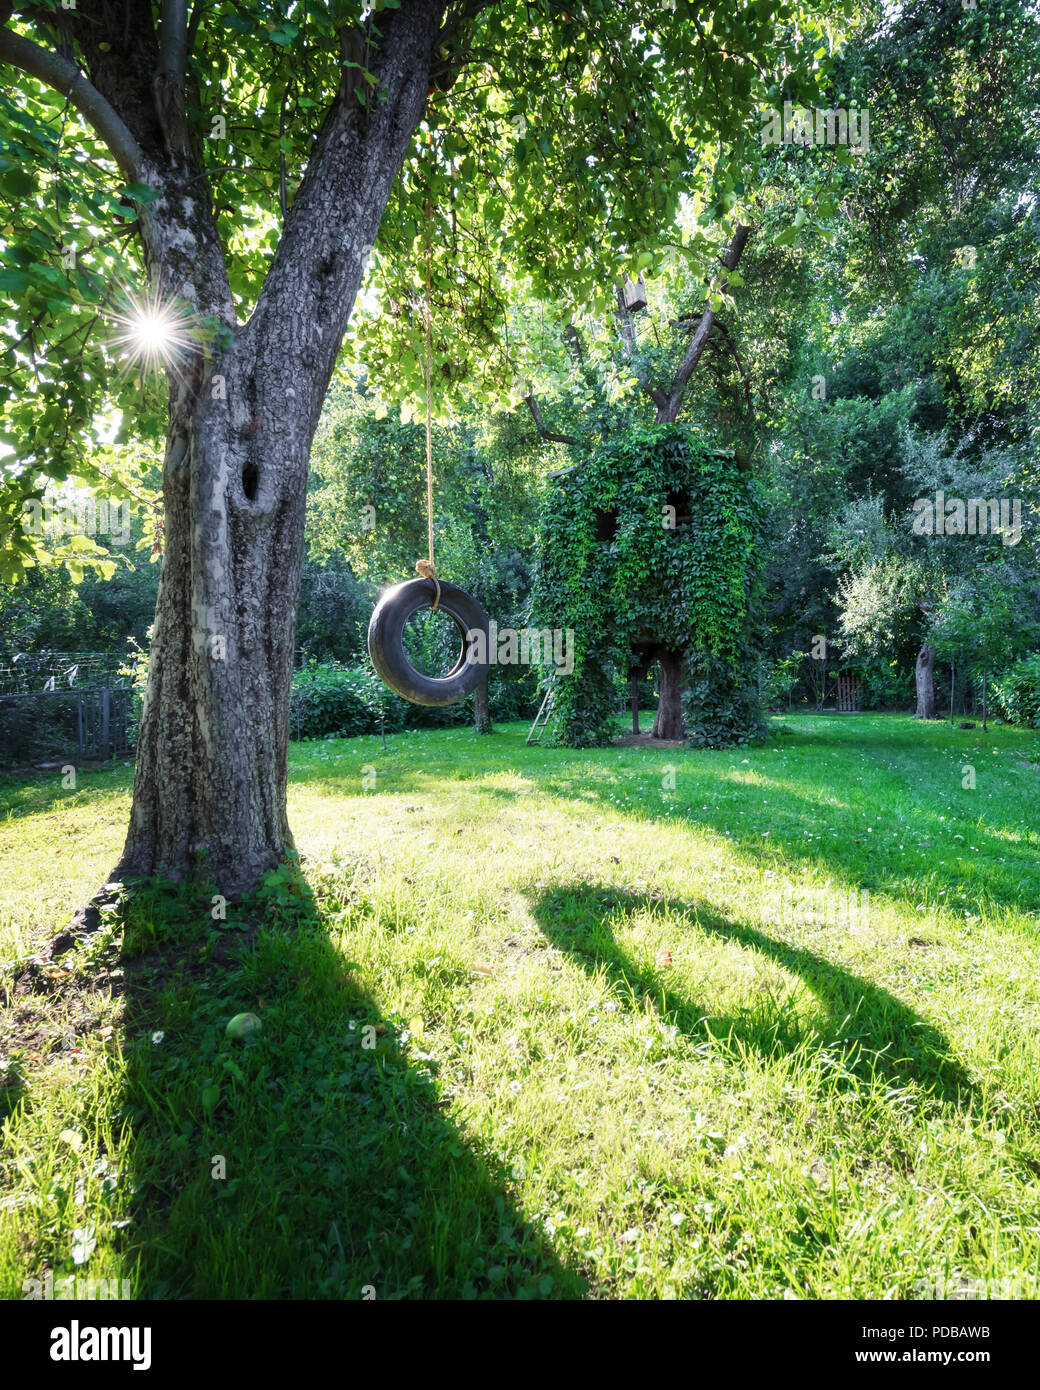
(426, 567)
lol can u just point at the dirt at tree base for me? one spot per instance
(647, 741)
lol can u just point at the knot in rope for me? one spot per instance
(427, 570)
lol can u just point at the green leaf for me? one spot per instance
(140, 193)
(15, 281)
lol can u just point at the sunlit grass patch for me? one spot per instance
(624, 1042)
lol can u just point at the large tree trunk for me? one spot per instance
(925, 677)
(669, 722)
(209, 786)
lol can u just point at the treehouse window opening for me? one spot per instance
(679, 501)
(606, 526)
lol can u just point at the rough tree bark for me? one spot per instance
(925, 677)
(209, 788)
(209, 785)
(670, 722)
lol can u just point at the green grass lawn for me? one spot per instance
(541, 1023)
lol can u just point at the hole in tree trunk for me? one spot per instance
(250, 481)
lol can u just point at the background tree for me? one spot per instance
(982, 625)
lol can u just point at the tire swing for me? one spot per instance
(387, 624)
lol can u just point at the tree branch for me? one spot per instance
(332, 223)
(170, 73)
(194, 22)
(173, 39)
(66, 78)
(573, 336)
(539, 424)
(456, 20)
(669, 411)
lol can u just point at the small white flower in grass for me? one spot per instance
(157, 1037)
(83, 1243)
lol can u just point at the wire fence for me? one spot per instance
(63, 704)
(59, 705)
(24, 673)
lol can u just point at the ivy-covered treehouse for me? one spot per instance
(649, 550)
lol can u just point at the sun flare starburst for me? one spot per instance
(153, 332)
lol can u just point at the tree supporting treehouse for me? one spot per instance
(649, 552)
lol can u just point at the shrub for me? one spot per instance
(887, 685)
(720, 705)
(37, 725)
(342, 701)
(1017, 692)
(513, 693)
(779, 679)
(135, 667)
(333, 701)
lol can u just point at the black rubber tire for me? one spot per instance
(386, 642)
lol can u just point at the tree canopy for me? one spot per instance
(562, 145)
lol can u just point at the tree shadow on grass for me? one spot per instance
(1002, 871)
(314, 1159)
(870, 1029)
(1000, 862)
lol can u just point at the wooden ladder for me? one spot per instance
(545, 712)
